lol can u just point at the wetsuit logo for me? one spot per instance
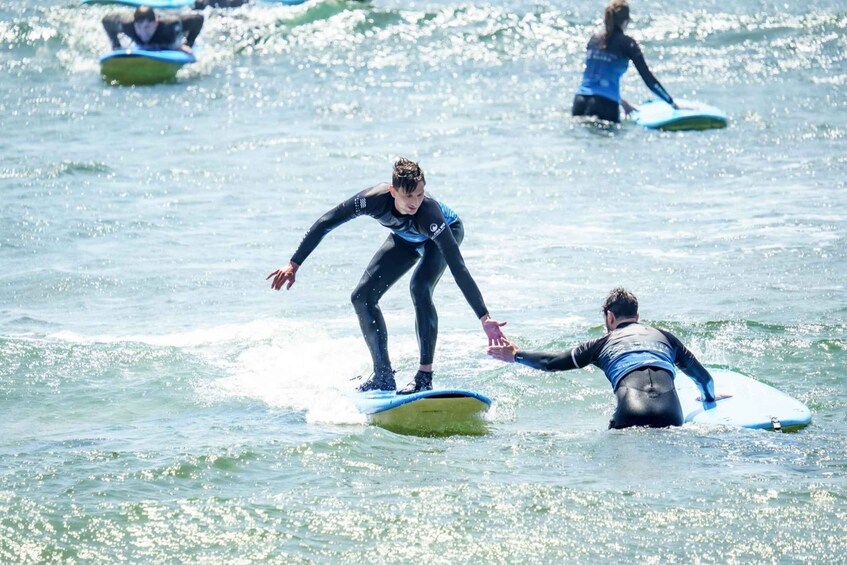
(436, 229)
(360, 203)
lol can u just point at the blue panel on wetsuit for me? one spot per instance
(602, 75)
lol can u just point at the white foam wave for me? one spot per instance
(306, 370)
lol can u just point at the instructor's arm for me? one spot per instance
(535, 359)
(575, 358)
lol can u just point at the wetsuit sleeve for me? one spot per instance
(443, 238)
(578, 357)
(633, 51)
(191, 26)
(342, 213)
(113, 24)
(689, 364)
(450, 249)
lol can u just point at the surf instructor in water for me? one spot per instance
(607, 58)
(424, 232)
(637, 359)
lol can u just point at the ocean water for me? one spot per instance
(159, 403)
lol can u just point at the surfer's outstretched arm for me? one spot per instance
(342, 213)
(431, 214)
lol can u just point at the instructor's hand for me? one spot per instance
(505, 352)
(492, 330)
(281, 276)
(717, 397)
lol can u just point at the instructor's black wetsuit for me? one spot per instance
(169, 34)
(431, 235)
(600, 91)
(639, 362)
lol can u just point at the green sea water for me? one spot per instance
(160, 404)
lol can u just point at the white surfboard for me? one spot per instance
(431, 412)
(753, 403)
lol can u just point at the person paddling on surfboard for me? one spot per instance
(637, 359)
(607, 58)
(424, 231)
(148, 31)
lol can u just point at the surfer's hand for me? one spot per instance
(281, 276)
(505, 352)
(492, 330)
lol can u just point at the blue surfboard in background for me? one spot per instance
(658, 114)
(174, 4)
(155, 4)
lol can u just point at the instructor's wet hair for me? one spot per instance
(144, 14)
(617, 12)
(406, 176)
(621, 302)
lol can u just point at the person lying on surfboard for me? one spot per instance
(424, 232)
(148, 31)
(637, 359)
(607, 58)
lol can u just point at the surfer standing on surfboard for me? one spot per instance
(607, 58)
(424, 232)
(637, 359)
(148, 31)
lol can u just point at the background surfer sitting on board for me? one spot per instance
(607, 57)
(424, 231)
(148, 31)
(637, 359)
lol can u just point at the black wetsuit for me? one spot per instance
(639, 362)
(599, 93)
(432, 235)
(169, 34)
